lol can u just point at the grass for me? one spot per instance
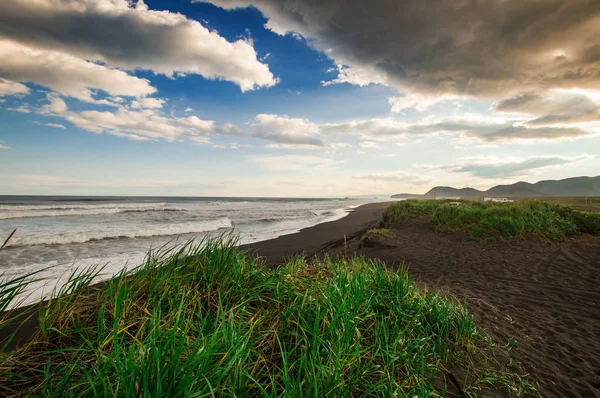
(499, 221)
(211, 320)
(589, 204)
(407, 210)
(376, 235)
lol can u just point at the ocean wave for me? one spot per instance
(137, 231)
(70, 206)
(12, 212)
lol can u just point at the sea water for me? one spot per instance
(61, 234)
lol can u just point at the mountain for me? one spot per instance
(518, 190)
(449, 192)
(576, 186)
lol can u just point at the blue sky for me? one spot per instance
(291, 98)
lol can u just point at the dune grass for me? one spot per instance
(498, 221)
(407, 210)
(211, 320)
(376, 235)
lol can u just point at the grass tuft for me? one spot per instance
(211, 320)
(376, 235)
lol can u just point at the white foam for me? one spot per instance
(120, 231)
(27, 211)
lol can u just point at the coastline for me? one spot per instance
(535, 297)
(313, 239)
(273, 251)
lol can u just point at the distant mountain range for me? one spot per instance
(576, 186)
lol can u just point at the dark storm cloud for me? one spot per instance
(481, 48)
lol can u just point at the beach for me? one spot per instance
(540, 298)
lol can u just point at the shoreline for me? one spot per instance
(273, 251)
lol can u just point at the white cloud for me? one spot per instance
(286, 131)
(125, 35)
(472, 127)
(295, 163)
(23, 108)
(232, 145)
(140, 124)
(395, 177)
(148, 103)
(493, 167)
(66, 74)
(55, 125)
(4, 146)
(8, 88)
(369, 144)
(188, 110)
(417, 102)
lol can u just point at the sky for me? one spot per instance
(295, 98)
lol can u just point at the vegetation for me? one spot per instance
(211, 320)
(376, 235)
(498, 221)
(581, 203)
(407, 210)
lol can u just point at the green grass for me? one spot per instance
(376, 235)
(407, 210)
(211, 320)
(498, 221)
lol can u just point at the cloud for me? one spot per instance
(53, 125)
(295, 163)
(473, 127)
(143, 124)
(395, 177)
(66, 74)
(23, 108)
(4, 146)
(152, 103)
(120, 34)
(369, 144)
(286, 131)
(8, 88)
(232, 145)
(553, 107)
(491, 167)
(481, 49)
(416, 101)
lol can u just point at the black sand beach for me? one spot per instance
(543, 296)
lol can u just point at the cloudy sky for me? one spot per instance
(295, 97)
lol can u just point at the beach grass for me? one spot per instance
(211, 320)
(407, 210)
(376, 235)
(498, 221)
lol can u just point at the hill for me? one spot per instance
(575, 186)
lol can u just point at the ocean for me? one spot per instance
(62, 233)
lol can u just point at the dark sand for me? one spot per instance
(546, 297)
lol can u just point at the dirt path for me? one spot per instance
(547, 297)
